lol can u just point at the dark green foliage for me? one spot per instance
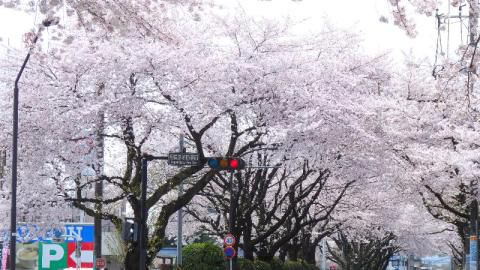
(245, 264)
(276, 263)
(298, 265)
(310, 267)
(203, 256)
(293, 265)
(261, 265)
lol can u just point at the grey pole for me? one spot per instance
(180, 216)
(231, 210)
(324, 255)
(99, 184)
(143, 216)
(231, 219)
(13, 209)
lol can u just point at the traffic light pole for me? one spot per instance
(231, 218)
(143, 216)
(180, 215)
(142, 227)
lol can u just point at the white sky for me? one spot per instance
(361, 16)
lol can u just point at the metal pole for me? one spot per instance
(324, 255)
(231, 210)
(180, 215)
(231, 217)
(13, 209)
(143, 216)
(99, 184)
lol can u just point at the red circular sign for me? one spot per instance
(101, 263)
(229, 252)
(229, 240)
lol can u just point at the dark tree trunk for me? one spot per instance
(308, 253)
(132, 258)
(293, 250)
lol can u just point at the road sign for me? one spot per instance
(229, 240)
(101, 263)
(180, 159)
(229, 252)
(85, 260)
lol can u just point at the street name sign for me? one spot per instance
(182, 159)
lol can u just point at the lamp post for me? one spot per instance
(13, 212)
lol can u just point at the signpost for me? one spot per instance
(182, 159)
(229, 251)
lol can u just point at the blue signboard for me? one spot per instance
(473, 252)
(70, 232)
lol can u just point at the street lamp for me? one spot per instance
(13, 212)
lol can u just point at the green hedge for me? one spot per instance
(276, 264)
(261, 265)
(203, 256)
(298, 265)
(244, 264)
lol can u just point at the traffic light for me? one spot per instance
(222, 163)
(129, 231)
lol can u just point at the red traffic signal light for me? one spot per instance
(221, 163)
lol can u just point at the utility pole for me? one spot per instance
(100, 143)
(142, 243)
(180, 214)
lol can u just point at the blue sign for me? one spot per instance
(80, 232)
(229, 252)
(473, 252)
(29, 233)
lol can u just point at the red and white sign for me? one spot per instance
(86, 256)
(101, 263)
(229, 240)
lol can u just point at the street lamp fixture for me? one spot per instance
(13, 212)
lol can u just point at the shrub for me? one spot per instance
(310, 267)
(293, 265)
(276, 264)
(261, 265)
(245, 264)
(202, 256)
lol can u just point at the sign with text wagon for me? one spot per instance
(182, 159)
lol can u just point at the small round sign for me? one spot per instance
(229, 252)
(100, 263)
(229, 240)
